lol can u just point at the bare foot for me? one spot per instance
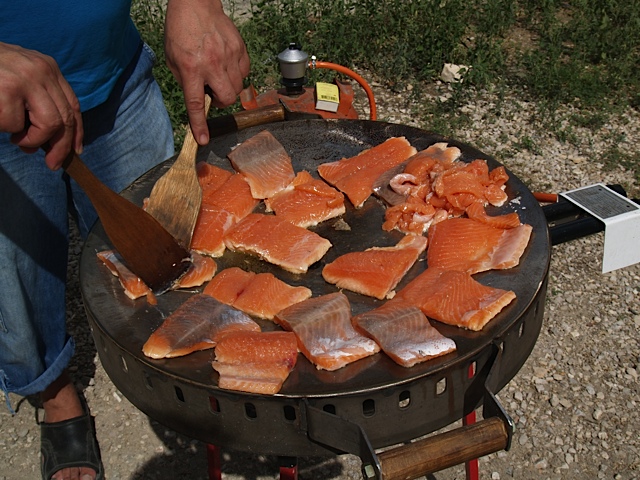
(61, 402)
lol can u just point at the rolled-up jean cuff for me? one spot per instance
(43, 381)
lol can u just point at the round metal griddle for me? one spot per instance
(390, 403)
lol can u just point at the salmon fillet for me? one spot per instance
(133, 285)
(376, 271)
(455, 298)
(255, 362)
(201, 270)
(478, 212)
(258, 294)
(277, 241)
(471, 246)
(208, 233)
(265, 163)
(195, 325)
(355, 176)
(324, 331)
(210, 178)
(234, 196)
(307, 202)
(404, 333)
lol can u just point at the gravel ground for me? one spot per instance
(574, 402)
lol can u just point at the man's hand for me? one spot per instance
(37, 105)
(204, 48)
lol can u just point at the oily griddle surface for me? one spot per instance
(129, 323)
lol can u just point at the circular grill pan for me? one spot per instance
(163, 388)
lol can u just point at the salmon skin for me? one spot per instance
(202, 270)
(255, 362)
(471, 246)
(258, 294)
(195, 325)
(376, 271)
(356, 176)
(307, 201)
(277, 241)
(265, 163)
(404, 333)
(324, 331)
(454, 298)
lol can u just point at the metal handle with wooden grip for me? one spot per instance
(245, 119)
(445, 450)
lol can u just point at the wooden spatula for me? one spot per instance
(176, 197)
(145, 246)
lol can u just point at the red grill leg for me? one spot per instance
(214, 464)
(471, 467)
(288, 468)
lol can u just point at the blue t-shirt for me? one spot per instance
(92, 40)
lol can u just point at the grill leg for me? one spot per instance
(288, 468)
(471, 467)
(214, 464)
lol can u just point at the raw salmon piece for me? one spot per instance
(466, 178)
(255, 362)
(478, 212)
(470, 246)
(324, 331)
(208, 234)
(308, 202)
(133, 285)
(202, 270)
(404, 333)
(266, 295)
(265, 163)
(376, 271)
(229, 284)
(234, 196)
(197, 324)
(211, 177)
(454, 298)
(277, 241)
(258, 294)
(356, 176)
(413, 216)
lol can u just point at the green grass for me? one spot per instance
(581, 53)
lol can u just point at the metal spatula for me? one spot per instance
(145, 246)
(176, 197)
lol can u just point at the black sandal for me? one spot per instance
(70, 443)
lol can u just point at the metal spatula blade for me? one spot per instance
(146, 247)
(176, 197)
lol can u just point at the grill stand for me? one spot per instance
(414, 459)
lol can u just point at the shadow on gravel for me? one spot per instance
(188, 458)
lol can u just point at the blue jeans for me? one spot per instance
(124, 137)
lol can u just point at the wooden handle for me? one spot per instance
(443, 451)
(148, 249)
(190, 146)
(245, 119)
(98, 192)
